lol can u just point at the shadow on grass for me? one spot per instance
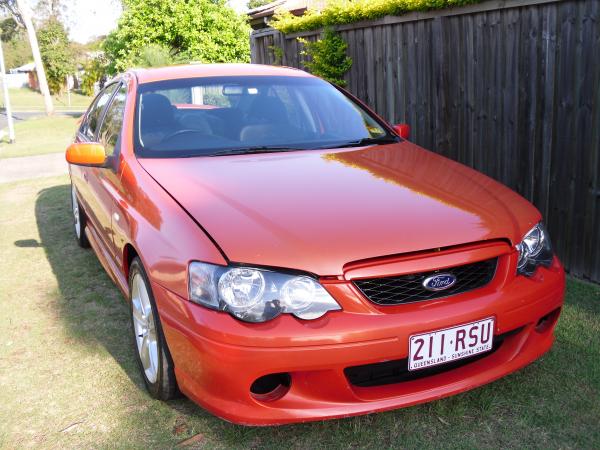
(94, 313)
(27, 243)
(91, 306)
(527, 409)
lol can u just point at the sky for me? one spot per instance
(87, 19)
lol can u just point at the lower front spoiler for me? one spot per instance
(319, 388)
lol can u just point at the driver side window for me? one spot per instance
(92, 118)
(110, 130)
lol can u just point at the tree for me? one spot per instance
(46, 9)
(57, 54)
(8, 29)
(16, 47)
(22, 15)
(188, 30)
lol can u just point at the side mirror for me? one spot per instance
(86, 154)
(403, 130)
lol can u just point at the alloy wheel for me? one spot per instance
(146, 336)
(75, 204)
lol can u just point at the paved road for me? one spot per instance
(24, 115)
(26, 167)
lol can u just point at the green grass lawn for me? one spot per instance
(25, 99)
(68, 377)
(39, 135)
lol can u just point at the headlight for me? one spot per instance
(534, 250)
(257, 295)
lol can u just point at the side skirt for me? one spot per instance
(106, 261)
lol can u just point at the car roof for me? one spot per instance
(213, 70)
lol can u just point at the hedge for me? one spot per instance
(339, 12)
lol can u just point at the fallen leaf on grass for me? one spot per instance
(197, 438)
(70, 427)
(180, 426)
(179, 429)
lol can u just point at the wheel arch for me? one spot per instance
(129, 254)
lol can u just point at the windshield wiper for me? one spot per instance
(364, 142)
(277, 148)
(256, 149)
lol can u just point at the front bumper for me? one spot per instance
(217, 358)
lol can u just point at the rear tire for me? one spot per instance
(152, 353)
(79, 220)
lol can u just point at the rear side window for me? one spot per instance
(90, 125)
(110, 130)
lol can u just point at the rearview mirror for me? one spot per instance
(86, 154)
(233, 89)
(403, 130)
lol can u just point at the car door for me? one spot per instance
(80, 175)
(105, 181)
(87, 179)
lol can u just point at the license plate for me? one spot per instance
(450, 344)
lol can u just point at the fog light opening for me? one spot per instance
(547, 321)
(271, 387)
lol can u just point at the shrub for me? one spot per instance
(277, 54)
(94, 69)
(199, 30)
(153, 55)
(339, 12)
(328, 58)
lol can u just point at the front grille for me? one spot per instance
(409, 288)
(396, 371)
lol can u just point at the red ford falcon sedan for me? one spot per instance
(289, 256)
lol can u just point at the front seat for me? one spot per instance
(267, 119)
(157, 119)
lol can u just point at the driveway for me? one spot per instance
(15, 169)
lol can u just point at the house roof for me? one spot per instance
(270, 8)
(29, 67)
(260, 16)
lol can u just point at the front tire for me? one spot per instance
(154, 359)
(79, 220)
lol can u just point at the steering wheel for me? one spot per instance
(178, 133)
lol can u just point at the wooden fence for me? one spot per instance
(511, 88)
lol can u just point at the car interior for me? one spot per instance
(233, 116)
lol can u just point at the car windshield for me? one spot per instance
(233, 115)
